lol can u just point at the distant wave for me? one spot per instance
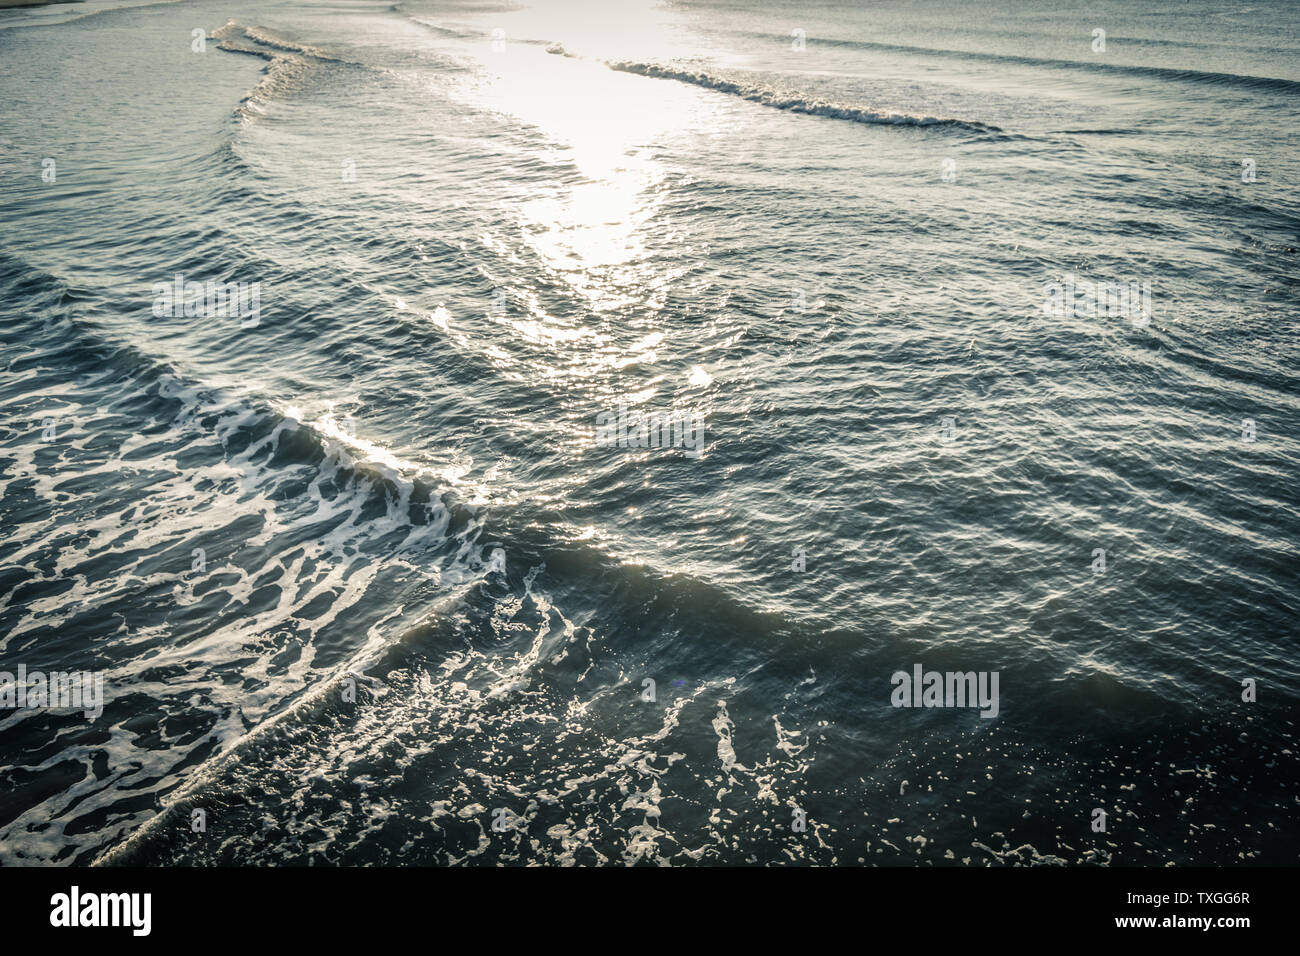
(287, 62)
(793, 103)
(66, 13)
(1090, 66)
(467, 35)
(441, 30)
(235, 36)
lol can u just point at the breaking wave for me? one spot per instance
(794, 103)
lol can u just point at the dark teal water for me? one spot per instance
(469, 246)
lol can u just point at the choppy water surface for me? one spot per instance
(476, 229)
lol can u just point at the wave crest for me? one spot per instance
(794, 103)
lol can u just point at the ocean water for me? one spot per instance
(370, 577)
